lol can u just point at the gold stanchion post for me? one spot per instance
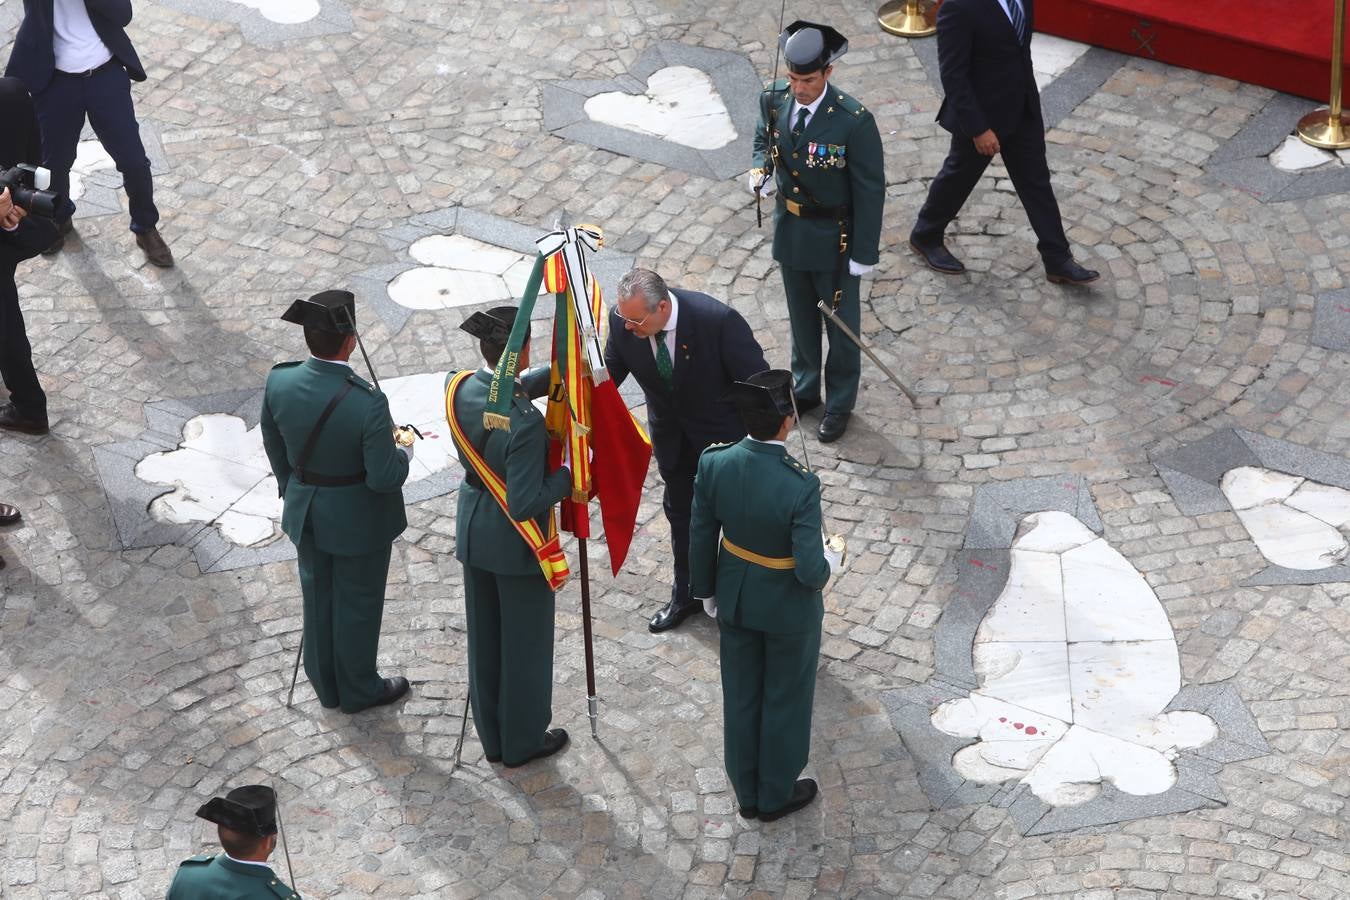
(1329, 127)
(907, 18)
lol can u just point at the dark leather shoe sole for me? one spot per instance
(554, 740)
(668, 618)
(832, 427)
(945, 269)
(1055, 278)
(24, 427)
(803, 792)
(9, 514)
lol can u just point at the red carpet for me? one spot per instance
(1277, 43)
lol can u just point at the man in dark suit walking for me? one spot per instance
(685, 349)
(992, 106)
(76, 60)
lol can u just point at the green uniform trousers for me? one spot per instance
(843, 365)
(510, 661)
(768, 685)
(344, 603)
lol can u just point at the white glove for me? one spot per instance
(408, 451)
(857, 268)
(710, 606)
(836, 560)
(752, 181)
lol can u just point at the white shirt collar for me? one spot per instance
(669, 329)
(248, 862)
(336, 362)
(810, 107)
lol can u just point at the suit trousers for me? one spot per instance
(768, 687)
(677, 501)
(1023, 154)
(105, 97)
(510, 661)
(843, 364)
(344, 604)
(16, 359)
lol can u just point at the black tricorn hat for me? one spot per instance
(808, 47)
(251, 809)
(768, 392)
(493, 326)
(331, 311)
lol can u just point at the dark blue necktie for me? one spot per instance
(1019, 20)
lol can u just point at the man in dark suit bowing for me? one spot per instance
(76, 60)
(992, 106)
(685, 349)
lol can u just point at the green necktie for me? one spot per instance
(664, 367)
(801, 121)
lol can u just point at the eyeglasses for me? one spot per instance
(637, 323)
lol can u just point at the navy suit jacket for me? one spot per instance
(986, 73)
(713, 347)
(33, 60)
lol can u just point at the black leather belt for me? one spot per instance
(833, 213)
(88, 72)
(314, 479)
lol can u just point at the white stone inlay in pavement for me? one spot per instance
(1077, 661)
(220, 474)
(90, 157)
(283, 12)
(681, 105)
(1051, 55)
(1295, 522)
(1294, 156)
(460, 271)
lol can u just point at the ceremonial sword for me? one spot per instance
(848, 332)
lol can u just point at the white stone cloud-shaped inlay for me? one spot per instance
(680, 105)
(283, 12)
(90, 157)
(1076, 661)
(220, 474)
(460, 271)
(1296, 523)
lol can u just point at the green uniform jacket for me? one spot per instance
(358, 436)
(208, 877)
(807, 172)
(766, 502)
(484, 537)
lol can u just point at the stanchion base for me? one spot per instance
(1319, 129)
(906, 18)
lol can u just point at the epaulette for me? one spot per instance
(849, 104)
(282, 890)
(286, 365)
(360, 382)
(796, 466)
(719, 446)
(779, 85)
(199, 859)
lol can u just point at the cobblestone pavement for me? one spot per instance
(133, 686)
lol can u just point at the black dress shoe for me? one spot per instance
(748, 812)
(671, 615)
(393, 689)
(59, 244)
(2, 562)
(9, 514)
(938, 258)
(1071, 273)
(832, 427)
(13, 420)
(155, 249)
(803, 792)
(554, 740)
(806, 404)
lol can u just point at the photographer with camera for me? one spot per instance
(22, 236)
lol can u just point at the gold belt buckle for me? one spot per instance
(793, 206)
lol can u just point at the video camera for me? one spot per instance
(28, 188)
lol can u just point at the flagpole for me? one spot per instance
(591, 700)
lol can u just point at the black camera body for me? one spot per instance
(23, 182)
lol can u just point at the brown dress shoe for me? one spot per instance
(155, 249)
(59, 244)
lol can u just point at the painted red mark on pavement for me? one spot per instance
(1031, 729)
(1158, 379)
(1345, 309)
(983, 565)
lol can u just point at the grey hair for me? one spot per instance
(645, 283)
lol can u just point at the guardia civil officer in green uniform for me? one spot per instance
(507, 599)
(246, 820)
(757, 557)
(821, 153)
(329, 438)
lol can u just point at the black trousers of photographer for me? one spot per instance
(16, 356)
